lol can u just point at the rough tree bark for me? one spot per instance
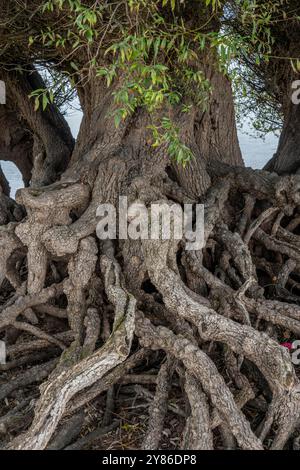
(39, 143)
(279, 79)
(16, 142)
(286, 160)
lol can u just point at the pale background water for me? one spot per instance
(256, 152)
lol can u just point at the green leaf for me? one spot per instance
(36, 103)
(73, 65)
(89, 35)
(45, 102)
(118, 119)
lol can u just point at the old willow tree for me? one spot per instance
(200, 332)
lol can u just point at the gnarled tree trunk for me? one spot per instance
(206, 309)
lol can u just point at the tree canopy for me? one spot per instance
(158, 47)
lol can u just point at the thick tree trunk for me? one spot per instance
(287, 157)
(212, 135)
(40, 143)
(16, 142)
(216, 132)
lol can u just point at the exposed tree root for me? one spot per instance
(67, 433)
(159, 406)
(211, 322)
(197, 433)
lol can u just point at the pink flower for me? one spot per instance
(289, 346)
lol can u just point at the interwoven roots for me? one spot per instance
(199, 334)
